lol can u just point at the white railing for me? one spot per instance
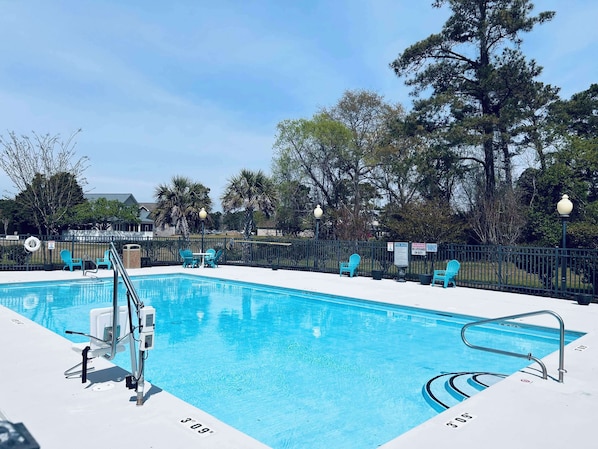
(105, 236)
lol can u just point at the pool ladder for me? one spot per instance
(529, 356)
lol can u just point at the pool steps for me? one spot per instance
(448, 389)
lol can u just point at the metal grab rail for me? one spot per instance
(137, 369)
(120, 269)
(529, 356)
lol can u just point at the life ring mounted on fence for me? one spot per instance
(32, 244)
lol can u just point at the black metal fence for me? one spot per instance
(533, 270)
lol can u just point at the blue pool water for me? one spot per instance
(290, 368)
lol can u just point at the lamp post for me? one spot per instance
(202, 216)
(317, 215)
(564, 208)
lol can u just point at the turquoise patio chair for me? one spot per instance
(447, 276)
(212, 262)
(69, 262)
(350, 267)
(210, 254)
(188, 260)
(104, 261)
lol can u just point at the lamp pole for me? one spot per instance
(317, 215)
(202, 216)
(564, 208)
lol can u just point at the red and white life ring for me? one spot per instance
(32, 244)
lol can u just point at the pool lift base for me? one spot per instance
(131, 383)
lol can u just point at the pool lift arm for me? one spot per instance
(146, 319)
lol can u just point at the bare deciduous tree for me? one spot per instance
(46, 174)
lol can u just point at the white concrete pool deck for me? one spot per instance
(521, 411)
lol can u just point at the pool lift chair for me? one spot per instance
(106, 339)
(101, 332)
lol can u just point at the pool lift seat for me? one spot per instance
(101, 338)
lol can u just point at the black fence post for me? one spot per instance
(499, 262)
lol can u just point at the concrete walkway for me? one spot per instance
(521, 411)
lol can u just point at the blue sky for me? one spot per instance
(196, 88)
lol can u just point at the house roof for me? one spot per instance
(145, 209)
(145, 215)
(125, 198)
(148, 206)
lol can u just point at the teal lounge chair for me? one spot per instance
(447, 276)
(212, 262)
(351, 266)
(104, 261)
(69, 262)
(188, 260)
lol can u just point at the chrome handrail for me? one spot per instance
(137, 369)
(529, 356)
(120, 269)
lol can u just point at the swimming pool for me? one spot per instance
(290, 368)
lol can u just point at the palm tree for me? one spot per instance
(179, 204)
(249, 191)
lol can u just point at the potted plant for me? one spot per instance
(377, 274)
(425, 279)
(382, 266)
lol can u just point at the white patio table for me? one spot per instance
(203, 256)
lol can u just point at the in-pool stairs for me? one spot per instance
(448, 389)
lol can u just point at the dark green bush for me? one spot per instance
(13, 253)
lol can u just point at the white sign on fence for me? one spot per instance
(401, 254)
(418, 249)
